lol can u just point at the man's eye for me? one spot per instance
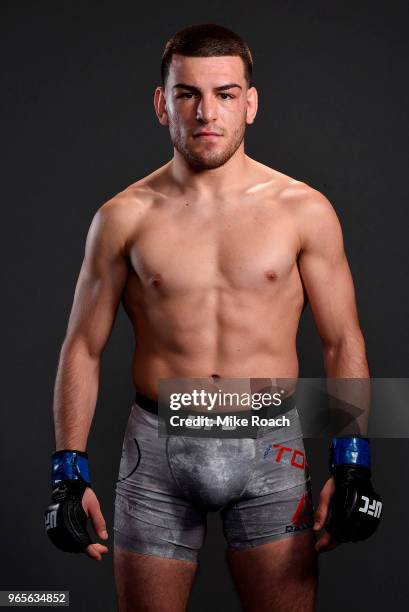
(190, 94)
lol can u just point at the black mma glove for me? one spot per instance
(355, 508)
(65, 518)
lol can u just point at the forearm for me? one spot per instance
(75, 397)
(348, 384)
(346, 358)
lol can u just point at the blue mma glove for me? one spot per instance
(355, 509)
(65, 518)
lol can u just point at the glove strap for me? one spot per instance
(69, 465)
(349, 451)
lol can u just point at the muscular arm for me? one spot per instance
(328, 282)
(329, 286)
(98, 291)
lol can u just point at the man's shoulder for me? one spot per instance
(303, 200)
(312, 212)
(299, 194)
(134, 199)
(309, 209)
(293, 193)
(127, 207)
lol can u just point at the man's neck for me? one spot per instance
(215, 181)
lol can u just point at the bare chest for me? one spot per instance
(184, 251)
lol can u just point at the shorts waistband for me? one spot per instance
(146, 403)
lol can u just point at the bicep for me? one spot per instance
(327, 277)
(100, 284)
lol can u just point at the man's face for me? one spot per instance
(207, 104)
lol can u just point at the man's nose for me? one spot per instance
(207, 109)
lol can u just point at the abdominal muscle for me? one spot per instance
(213, 333)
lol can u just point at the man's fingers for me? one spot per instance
(325, 543)
(321, 514)
(93, 510)
(95, 551)
(98, 521)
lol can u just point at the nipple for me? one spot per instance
(271, 275)
(156, 280)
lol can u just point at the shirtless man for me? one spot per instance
(213, 256)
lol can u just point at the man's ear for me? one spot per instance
(252, 105)
(159, 101)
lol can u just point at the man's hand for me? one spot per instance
(73, 503)
(92, 509)
(326, 542)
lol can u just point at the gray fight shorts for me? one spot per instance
(167, 485)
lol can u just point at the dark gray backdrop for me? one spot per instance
(77, 126)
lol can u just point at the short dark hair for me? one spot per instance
(207, 40)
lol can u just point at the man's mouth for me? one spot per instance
(206, 134)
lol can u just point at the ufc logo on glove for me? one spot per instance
(373, 509)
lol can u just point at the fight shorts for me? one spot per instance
(167, 485)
